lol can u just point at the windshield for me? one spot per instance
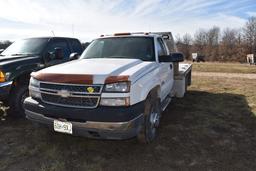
(121, 47)
(26, 47)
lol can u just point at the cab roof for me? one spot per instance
(164, 35)
(138, 34)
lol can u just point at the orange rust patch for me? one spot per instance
(114, 79)
(63, 78)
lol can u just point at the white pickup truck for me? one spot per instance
(117, 89)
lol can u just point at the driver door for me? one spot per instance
(166, 70)
(51, 50)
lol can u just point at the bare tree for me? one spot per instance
(228, 46)
(250, 34)
(212, 51)
(200, 41)
(5, 44)
(187, 44)
(213, 35)
(231, 45)
(178, 39)
(184, 44)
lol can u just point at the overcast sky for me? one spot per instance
(87, 19)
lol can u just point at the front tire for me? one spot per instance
(152, 115)
(18, 95)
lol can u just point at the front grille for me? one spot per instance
(71, 101)
(70, 87)
(77, 96)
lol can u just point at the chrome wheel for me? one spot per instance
(154, 120)
(151, 122)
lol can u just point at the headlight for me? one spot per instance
(34, 82)
(121, 87)
(34, 90)
(2, 77)
(119, 101)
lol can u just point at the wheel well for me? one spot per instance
(21, 80)
(155, 91)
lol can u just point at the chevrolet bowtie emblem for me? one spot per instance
(90, 89)
(64, 93)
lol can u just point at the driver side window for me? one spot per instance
(59, 44)
(160, 47)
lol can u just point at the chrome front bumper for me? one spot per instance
(92, 129)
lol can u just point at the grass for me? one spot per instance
(242, 87)
(224, 67)
(212, 128)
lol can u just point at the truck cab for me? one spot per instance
(25, 56)
(117, 89)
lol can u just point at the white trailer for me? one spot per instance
(251, 59)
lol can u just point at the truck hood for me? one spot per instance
(13, 58)
(11, 62)
(95, 71)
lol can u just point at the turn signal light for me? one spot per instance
(2, 77)
(122, 34)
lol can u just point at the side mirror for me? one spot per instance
(74, 56)
(173, 57)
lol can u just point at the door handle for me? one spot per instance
(171, 66)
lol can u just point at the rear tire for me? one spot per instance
(18, 95)
(152, 115)
(186, 83)
(186, 86)
(5, 102)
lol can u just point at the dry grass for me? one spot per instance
(212, 128)
(243, 87)
(224, 67)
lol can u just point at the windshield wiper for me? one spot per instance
(118, 56)
(127, 57)
(17, 54)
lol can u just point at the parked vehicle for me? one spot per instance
(117, 89)
(198, 58)
(27, 55)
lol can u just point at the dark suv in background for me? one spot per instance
(28, 55)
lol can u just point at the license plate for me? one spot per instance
(63, 127)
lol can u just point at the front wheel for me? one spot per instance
(18, 95)
(152, 115)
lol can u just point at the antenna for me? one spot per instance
(149, 27)
(53, 33)
(73, 32)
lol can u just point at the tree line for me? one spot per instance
(5, 44)
(215, 44)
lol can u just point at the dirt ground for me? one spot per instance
(212, 128)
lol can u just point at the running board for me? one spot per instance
(165, 102)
